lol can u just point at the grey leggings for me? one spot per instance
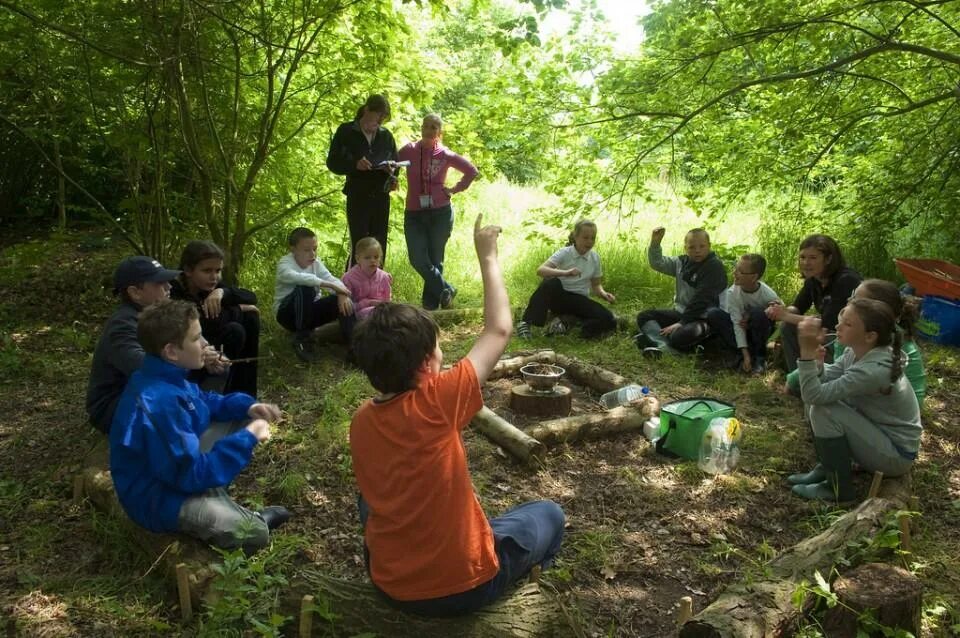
(214, 517)
(871, 448)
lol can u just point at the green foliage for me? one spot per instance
(249, 590)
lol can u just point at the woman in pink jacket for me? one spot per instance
(369, 284)
(428, 220)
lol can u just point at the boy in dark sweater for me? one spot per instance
(700, 278)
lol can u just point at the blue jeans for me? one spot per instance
(527, 535)
(427, 232)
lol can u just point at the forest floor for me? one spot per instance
(643, 530)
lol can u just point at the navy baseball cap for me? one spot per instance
(134, 271)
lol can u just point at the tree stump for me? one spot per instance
(893, 594)
(526, 400)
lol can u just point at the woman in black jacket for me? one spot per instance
(827, 285)
(366, 154)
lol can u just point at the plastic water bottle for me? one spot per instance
(719, 447)
(626, 395)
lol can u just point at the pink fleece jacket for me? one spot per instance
(428, 170)
(366, 289)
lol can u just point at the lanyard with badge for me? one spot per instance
(426, 199)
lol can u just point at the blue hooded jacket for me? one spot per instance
(155, 457)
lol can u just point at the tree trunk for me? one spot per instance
(61, 187)
(574, 428)
(764, 607)
(893, 594)
(507, 436)
(525, 400)
(590, 375)
(527, 613)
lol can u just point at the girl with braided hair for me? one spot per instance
(861, 408)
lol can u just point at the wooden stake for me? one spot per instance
(534, 574)
(875, 485)
(77, 488)
(904, 522)
(183, 589)
(306, 616)
(686, 611)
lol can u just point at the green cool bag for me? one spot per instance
(682, 424)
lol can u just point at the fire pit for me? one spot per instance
(541, 395)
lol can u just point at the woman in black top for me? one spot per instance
(828, 284)
(366, 154)
(229, 319)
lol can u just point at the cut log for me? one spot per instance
(508, 436)
(764, 608)
(511, 366)
(169, 550)
(893, 594)
(526, 400)
(575, 428)
(358, 608)
(590, 375)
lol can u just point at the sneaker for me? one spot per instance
(304, 350)
(523, 330)
(643, 341)
(556, 327)
(652, 352)
(447, 296)
(759, 365)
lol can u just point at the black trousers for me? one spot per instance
(758, 330)
(300, 312)
(368, 215)
(237, 333)
(686, 337)
(550, 296)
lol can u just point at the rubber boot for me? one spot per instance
(816, 475)
(835, 458)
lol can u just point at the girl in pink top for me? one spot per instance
(428, 220)
(369, 285)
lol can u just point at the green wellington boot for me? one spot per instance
(835, 459)
(816, 475)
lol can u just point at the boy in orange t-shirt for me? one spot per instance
(432, 550)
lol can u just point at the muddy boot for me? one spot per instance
(838, 486)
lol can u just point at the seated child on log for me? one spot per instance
(299, 302)
(570, 275)
(138, 281)
(741, 323)
(700, 278)
(861, 407)
(229, 317)
(369, 284)
(170, 464)
(907, 310)
(431, 549)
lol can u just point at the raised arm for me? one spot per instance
(497, 320)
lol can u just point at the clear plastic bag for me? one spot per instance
(720, 446)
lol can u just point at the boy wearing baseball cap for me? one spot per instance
(139, 281)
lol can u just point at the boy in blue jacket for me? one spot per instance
(170, 465)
